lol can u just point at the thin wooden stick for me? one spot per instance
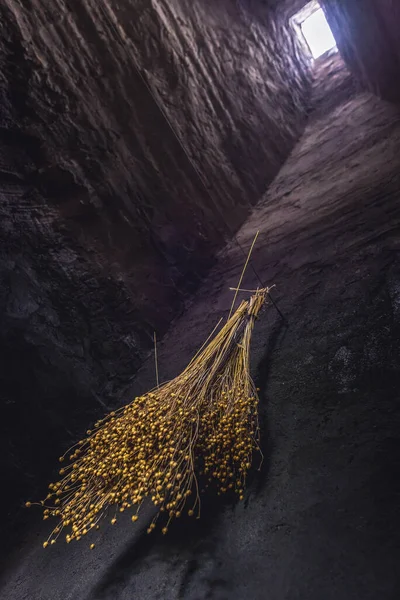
(251, 291)
(243, 272)
(155, 359)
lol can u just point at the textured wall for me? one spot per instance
(367, 33)
(238, 92)
(291, 7)
(106, 222)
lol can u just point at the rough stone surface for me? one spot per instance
(291, 7)
(126, 130)
(367, 34)
(321, 519)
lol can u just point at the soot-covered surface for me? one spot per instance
(321, 520)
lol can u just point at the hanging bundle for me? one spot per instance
(202, 425)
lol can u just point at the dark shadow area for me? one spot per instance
(189, 539)
(258, 478)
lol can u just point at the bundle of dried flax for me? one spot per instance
(203, 423)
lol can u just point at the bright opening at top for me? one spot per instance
(318, 34)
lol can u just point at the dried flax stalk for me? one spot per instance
(202, 424)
